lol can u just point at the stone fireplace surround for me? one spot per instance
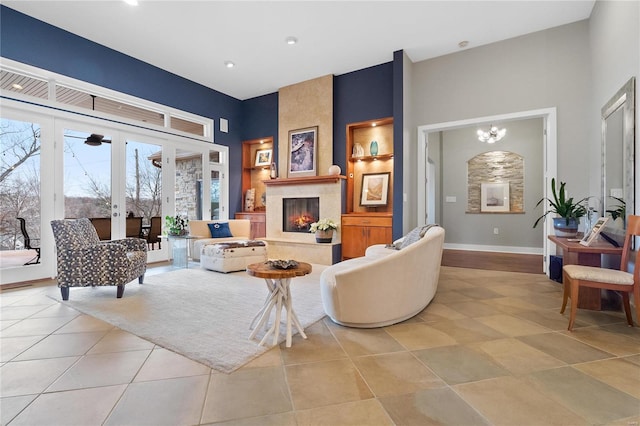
(303, 246)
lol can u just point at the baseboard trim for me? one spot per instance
(496, 249)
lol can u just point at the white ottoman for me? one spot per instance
(232, 256)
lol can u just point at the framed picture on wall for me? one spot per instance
(263, 157)
(375, 189)
(494, 197)
(303, 152)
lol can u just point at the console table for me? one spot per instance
(574, 253)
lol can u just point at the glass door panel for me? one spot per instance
(215, 194)
(87, 179)
(188, 183)
(20, 186)
(144, 192)
(218, 185)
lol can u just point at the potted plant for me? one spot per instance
(324, 230)
(569, 211)
(176, 225)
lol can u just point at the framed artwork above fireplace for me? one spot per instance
(303, 152)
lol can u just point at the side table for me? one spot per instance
(278, 283)
(180, 249)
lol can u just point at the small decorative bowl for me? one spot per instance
(282, 264)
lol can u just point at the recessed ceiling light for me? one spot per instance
(373, 124)
(229, 64)
(17, 86)
(291, 40)
(131, 2)
(463, 44)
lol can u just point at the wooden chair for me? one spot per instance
(575, 276)
(155, 230)
(29, 242)
(103, 227)
(134, 227)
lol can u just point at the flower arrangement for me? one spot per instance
(323, 225)
(176, 225)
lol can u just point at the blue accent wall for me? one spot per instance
(260, 119)
(361, 95)
(33, 42)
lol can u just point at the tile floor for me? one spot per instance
(491, 349)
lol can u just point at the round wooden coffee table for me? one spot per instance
(278, 281)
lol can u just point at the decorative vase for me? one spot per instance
(334, 170)
(249, 200)
(324, 236)
(566, 229)
(373, 148)
(358, 150)
(274, 171)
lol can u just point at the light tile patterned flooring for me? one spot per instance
(491, 349)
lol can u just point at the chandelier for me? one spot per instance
(492, 136)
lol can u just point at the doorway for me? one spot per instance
(430, 201)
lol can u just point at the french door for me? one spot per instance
(26, 143)
(125, 180)
(114, 178)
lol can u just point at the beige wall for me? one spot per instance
(541, 70)
(303, 105)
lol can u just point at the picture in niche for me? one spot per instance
(494, 197)
(375, 189)
(263, 157)
(303, 149)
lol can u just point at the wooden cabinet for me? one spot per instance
(258, 223)
(257, 155)
(367, 223)
(360, 231)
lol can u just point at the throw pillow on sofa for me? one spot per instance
(220, 230)
(415, 234)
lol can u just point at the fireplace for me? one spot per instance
(299, 213)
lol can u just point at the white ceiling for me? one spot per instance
(194, 38)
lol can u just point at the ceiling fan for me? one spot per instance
(93, 139)
(96, 140)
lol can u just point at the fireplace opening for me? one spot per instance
(299, 213)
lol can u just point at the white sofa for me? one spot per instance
(385, 286)
(240, 229)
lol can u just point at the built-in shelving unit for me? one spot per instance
(254, 173)
(364, 225)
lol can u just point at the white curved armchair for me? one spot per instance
(383, 288)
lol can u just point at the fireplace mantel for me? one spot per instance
(304, 180)
(302, 246)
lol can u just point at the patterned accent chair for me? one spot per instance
(84, 260)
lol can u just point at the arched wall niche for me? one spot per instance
(495, 167)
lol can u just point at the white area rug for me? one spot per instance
(203, 315)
